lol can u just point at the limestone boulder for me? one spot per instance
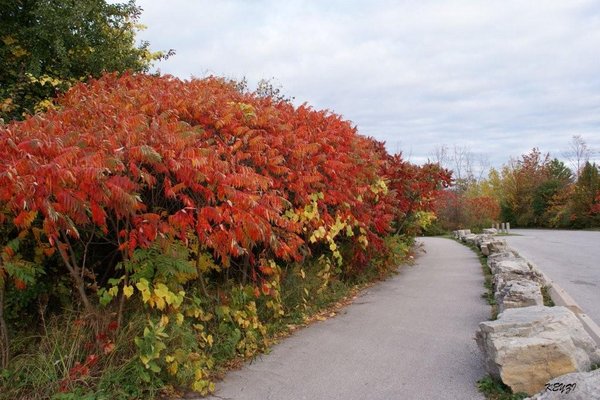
(479, 239)
(497, 246)
(490, 231)
(459, 234)
(492, 246)
(519, 293)
(469, 238)
(501, 256)
(574, 386)
(511, 267)
(527, 347)
(485, 250)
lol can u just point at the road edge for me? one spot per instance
(560, 297)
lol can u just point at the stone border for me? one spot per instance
(560, 297)
(492, 335)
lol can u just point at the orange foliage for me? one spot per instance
(150, 157)
(458, 211)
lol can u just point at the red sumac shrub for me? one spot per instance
(137, 158)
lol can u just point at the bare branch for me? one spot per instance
(578, 155)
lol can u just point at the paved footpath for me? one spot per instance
(410, 337)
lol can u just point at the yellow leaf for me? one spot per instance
(161, 290)
(349, 231)
(160, 303)
(7, 105)
(143, 287)
(164, 320)
(198, 374)
(113, 291)
(146, 296)
(8, 40)
(173, 368)
(128, 290)
(18, 51)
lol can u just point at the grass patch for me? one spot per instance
(72, 356)
(50, 364)
(548, 302)
(493, 389)
(488, 295)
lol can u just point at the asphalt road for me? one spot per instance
(570, 258)
(410, 337)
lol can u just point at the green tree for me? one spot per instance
(584, 197)
(557, 178)
(48, 45)
(520, 181)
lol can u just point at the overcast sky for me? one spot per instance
(499, 77)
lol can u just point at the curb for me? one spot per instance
(560, 297)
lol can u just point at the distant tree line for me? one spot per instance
(534, 190)
(539, 191)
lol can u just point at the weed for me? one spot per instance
(548, 302)
(494, 389)
(71, 357)
(488, 295)
(71, 360)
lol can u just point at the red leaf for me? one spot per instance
(24, 219)
(20, 285)
(98, 214)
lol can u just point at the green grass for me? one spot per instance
(44, 360)
(48, 359)
(548, 302)
(488, 295)
(493, 389)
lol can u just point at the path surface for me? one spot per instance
(410, 337)
(570, 258)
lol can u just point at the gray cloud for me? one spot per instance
(499, 76)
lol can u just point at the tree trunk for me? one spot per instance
(76, 275)
(122, 301)
(4, 339)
